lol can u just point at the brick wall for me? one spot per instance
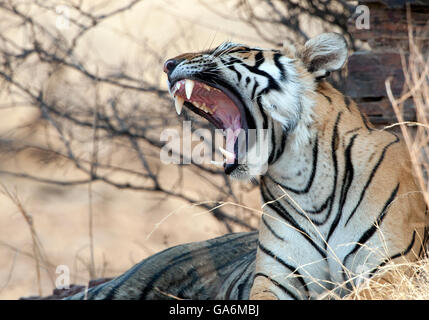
(387, 38)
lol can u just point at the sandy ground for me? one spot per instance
(125, 226)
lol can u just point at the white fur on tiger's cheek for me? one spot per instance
(271, 70)
(293, 105)
(302, 132)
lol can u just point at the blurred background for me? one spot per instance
(83, 101)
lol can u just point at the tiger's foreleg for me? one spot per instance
(285, 270)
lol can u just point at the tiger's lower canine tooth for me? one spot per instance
(178, 103)
(189, 86)
(228, 155)
(216, 163)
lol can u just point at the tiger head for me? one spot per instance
(239, 88)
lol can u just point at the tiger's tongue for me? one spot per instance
(223, 109)
(216, 105)
(228, 114)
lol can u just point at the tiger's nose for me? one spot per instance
(169, 65)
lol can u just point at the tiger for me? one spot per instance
(339, 199)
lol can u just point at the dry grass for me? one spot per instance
(38, 252)
(408, 281)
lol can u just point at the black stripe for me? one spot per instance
(280, 66)
(202, 274)
(370, 232)
(373, 271)
(303, 212)
(273, 142)
(92, 292)
(240, 50)
(272, 230)
(327, 97)
(150, 285)
(334, 141)
(247, 81)
(237, 73)
(330, 200)
(187, 256)
(239, 278)
(197, 275)
(282, 212)
(124, 277)
(312, 175)
(277, 284)
(255, 86)
(280, 150)
(347, 102)
(403, 253)
(352, 130)
(365, 121)
(374, 170)
(261, 110)
(259, 59)
(194, 276)
(242, 285)
(345, 186)
(292, 269)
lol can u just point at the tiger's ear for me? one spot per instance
(324, 53)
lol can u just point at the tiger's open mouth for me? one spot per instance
(220, 106)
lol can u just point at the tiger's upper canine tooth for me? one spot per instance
(178, 103)
(189, 86)
(228, 155)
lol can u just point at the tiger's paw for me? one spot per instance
(261, 290)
